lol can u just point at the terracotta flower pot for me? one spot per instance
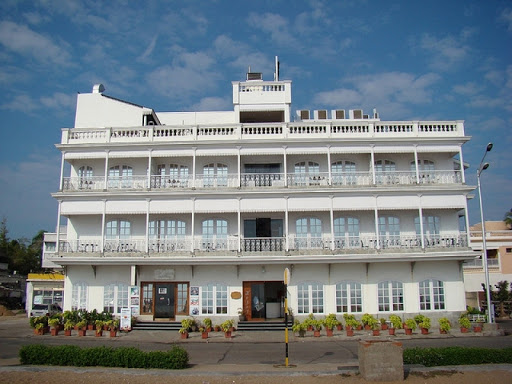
(184, 335)
(55, 331)
(376, 332)
(408, 331)
(99, 333)
(316, 333)
(350, 332)
(227, 334)
(463, 330)
(384, 327)
(67, 332)
(329, 332)
(477, 328)
(424, 331)
(391, 331)
(82, 332)
(339, 327)
(204, 335)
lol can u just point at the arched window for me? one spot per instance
(385, 171)
(307, 172)
(343, 173)
(346, 232)
(164, 229)
(115, 297)
(426, 170)
(389, 231)
(79, 296)
(215, 234)
(349, 297)
(431, 295)
(85, 177)
(310, 297)
(120, 176)
(390, 296)
(215, 174)
(214, 299)
(173, 175)
(118, 229)
(308, 233)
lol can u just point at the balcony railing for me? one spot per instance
(251, 180)
(170, 245)
(295, 130)
(477, 263)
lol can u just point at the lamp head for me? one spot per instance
(485, 166)
(489, 147)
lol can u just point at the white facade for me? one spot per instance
(202, 212)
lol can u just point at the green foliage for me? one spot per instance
(54, 322)
(411, 324)
(418, 318)
(207, 322)
(425, 323)
(396, 321)
(298, 326)
(187, 324)
(432, 357)
(366, 319)
(464, 322)
(227, 325)
(125, 357)
(331, 321)
(444, 324)
(34, 321)
(68, 325)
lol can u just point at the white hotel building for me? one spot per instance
(201, 212)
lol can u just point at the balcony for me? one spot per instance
(477, 264)
(247, 132)
(261, 180)
(297, 243)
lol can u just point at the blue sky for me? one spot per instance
(450, 60)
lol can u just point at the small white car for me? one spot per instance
(45, 310)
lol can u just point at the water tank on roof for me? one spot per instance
(98, 88)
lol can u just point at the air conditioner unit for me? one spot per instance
(356, 113)
(320, 114)
(303, 114)
(338, 114)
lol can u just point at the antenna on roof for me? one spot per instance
(276, 73)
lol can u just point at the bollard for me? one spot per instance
(381, 360)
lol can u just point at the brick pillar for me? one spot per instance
(381, 360)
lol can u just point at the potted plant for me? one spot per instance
(310, 322)
(318, 324)
(183, 332)
(366, 319)
(383, 323)
(396, 323)
(464, 323)
(39, 329)
(54, 323)
(241, 315)
(204, 332)
(227, 328)
(444, 325)
(68, 326)
(207, 324)
(351, 323)
(373, 324)
(217, 328)
(99, 327)
(82, 327)
(330, 323)
(410, 325)
(186, 325)
(418, 319)
(299, 328)
(113, 327)
(424, 325)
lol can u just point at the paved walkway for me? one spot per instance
(17, 328)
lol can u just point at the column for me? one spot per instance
(287, 234)
(149, 168)
(329, 163)
(194, 168)
(372, 164)
(422, 231)
(102, 240)
(376, 213)
(57, 245)
(61, 183)
(239, 168)
(331, 197)
(416, 163)
(239, 226)
(285, 168)
(148, 202)
(462, 173)
(105, 186)
(192, 229)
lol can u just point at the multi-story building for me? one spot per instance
(498, 240)
(201, 212)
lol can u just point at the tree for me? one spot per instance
(508, 218)
(502, 295)
(4, 242)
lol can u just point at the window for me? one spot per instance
(147, 299)
(173, 175)
(214, 299)
(310, 297)
(423, 166)
(508, 250)
(384, 171)
(306, 173)
(215, 233)
(431, 226)
(79, 296)
(118, 229)
(389, 231)
(348, 297)
(215, 175)
(120, 176)
(390, 296)
(85, 177)
(115, 297)
(163, 229)
(309, 232)
(346, 232)
(343, 173)
(431, 295)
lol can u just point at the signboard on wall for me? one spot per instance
(134, 300)
(194, 301)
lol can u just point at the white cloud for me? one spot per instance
(506, 18)
(22, 103)
(392, 92)
(36, 18)
(212, 104)
(275, 25)
(59, 101)
(468, 89)
(447, 52)
(24, 41)
(149, 49)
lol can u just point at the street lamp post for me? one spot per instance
(483, 166)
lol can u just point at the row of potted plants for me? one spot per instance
(370, 322)
(189, 325)
(80, 321)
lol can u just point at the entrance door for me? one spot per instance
(263, 299)
(164, 300)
